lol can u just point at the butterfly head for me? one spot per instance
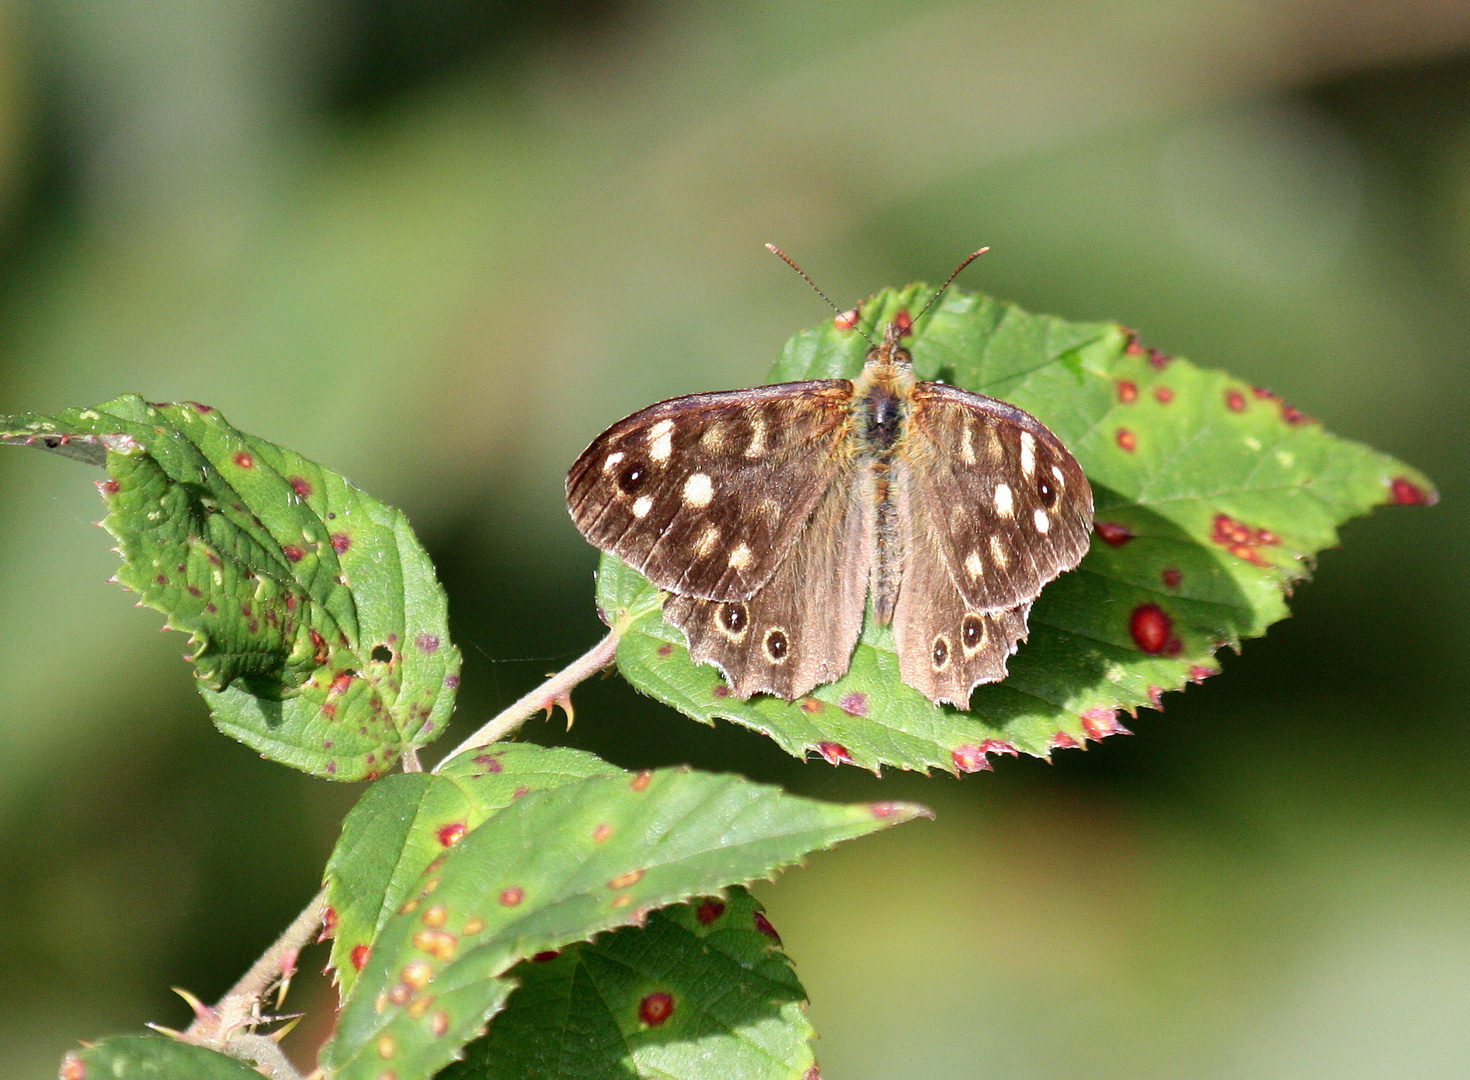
(890, 354)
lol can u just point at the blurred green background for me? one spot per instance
(438, 245)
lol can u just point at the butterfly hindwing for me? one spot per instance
(705, 495)
(799, 630)
(1009, 507)
(946, 644)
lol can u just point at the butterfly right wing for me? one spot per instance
(798, 631)
(1009, 507)
(705, 495)
(946, 645)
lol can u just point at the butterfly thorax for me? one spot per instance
(881, 404)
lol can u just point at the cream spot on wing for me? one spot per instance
(698, 490)
(1055, 471)
(993, 449)
(714, 437)
(1028, 454)
(973, 565)
(611, 461)
(967, 445)
(740, 557)
(757, 447)
(642, 506)
(998, 553)
(707, 541)
(661, 440)
(1004, 505)
(1042, 521)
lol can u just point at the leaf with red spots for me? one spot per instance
(679, 997)
(319, 632)
(1212, 499)
(406, 821)
(542, 874)
(152, 1057)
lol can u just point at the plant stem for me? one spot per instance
(240, 1004)
(554, 691)
(233, 1014)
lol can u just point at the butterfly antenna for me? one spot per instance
(774, 250)
(940, 291)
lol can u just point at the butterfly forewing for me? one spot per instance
(1008, 505)
(705, 495)
(799, 631)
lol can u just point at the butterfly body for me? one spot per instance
(772, 515)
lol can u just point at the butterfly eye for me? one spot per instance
(734, 618)
(1047, 492)
(633, 477)
(776, 645)
(941, 652)
(972, 632)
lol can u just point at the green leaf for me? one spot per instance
(699, 991)
(556, 867)
(1212, 499)
(319, 632)
(407, 820)
(152, 1057)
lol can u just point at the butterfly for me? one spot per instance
(770, 516)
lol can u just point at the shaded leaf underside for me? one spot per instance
(319, 632)
(1212, 499)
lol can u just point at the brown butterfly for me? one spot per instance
(770, 515)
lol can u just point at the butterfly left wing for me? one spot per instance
(1006, 503)
(946, 645)
(799, 630)
(705, 495)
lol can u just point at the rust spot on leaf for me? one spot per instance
(1404, 492)
(1112, 533)
(1153, 631)
(622, 881)
(656, 1008)
(834, 753)
(1099, 723)
(970, 758)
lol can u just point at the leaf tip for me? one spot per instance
(898, 812)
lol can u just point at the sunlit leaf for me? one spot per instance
(319, 632)
(407, 820)
(700, 991)
(1212, 498)
(555, 867)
